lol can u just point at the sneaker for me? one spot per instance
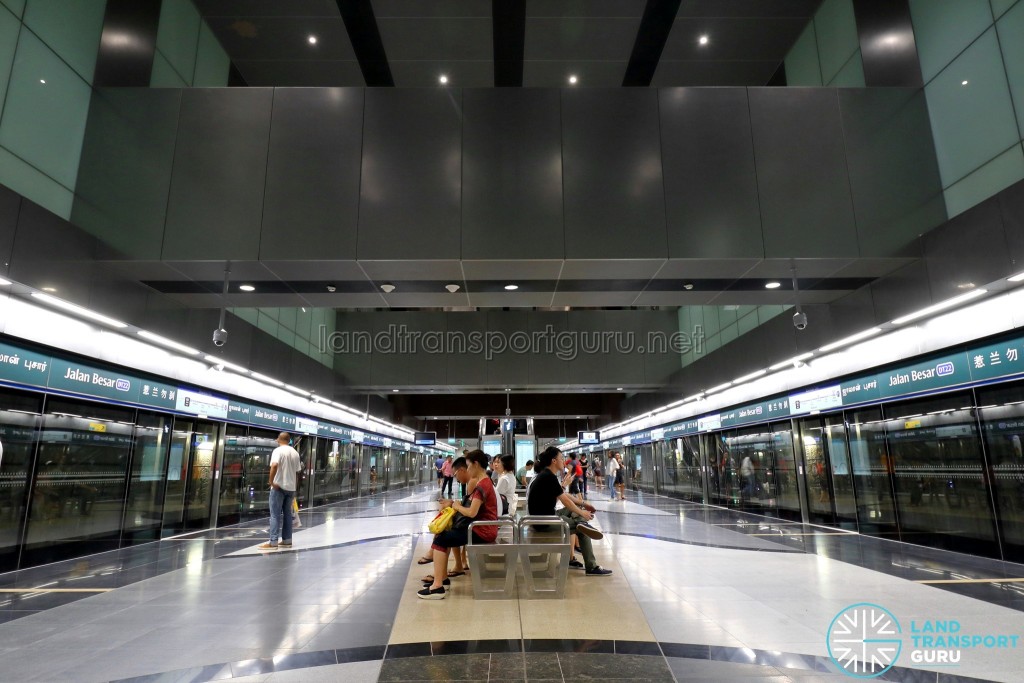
(427, 594)
(575, 564)
(589, 531)
(598, 571)
(267, 546)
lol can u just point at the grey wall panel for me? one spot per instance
(894, 177)
(1011, 207)
(10, 207)
(624, 362)
(512, 175)
(853, 313)
(803, 184)
(659, 366)
(510, 362)
(587, 365)
(552, 330)
(312, 197)
(970, 249)
(901, 292)
(50, 252)
(220, 163)
(711, 187)
(465, 368)
(405, 360)
(124, 175)
(411, 175)
(353, 359)
(614, 194)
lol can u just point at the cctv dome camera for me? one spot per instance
(452, 287)
(800, 320)
(220, 337)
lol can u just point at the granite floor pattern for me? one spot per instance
(699, 594)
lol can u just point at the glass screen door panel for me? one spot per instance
(199, 487)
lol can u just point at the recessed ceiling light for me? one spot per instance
(963, 82)
(49, 289)
(618, 389)
(572, 79)
(772, 285)
(966, 285)
(511, 287)
(312, 40)
(43, 81)
(442, 79)
(395, 390)
(703, 40)
(247, 288)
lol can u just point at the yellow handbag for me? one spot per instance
(443, 521)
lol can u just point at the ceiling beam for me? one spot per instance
(361, 25)
(509, 22)
(659, 15)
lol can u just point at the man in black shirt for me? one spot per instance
(546, 490)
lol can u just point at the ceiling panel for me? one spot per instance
(448, 38)
(732, 38)
(315, 270)
(413, 270)
(705, 268)
(680, 298)
(297, 74)
(555, 73)
(605, 270)
(590, 8)
(267, 8)
(434, 8)
(512, 270)
(805, 268)
(593, 299)
(747, 8)
(676, 73)
(398, 299)
(284, 38)
(510, 299)
(602, 39)
(460, 73)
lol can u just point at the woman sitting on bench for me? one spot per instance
(483, 507)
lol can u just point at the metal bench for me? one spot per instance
(553, 545)
(494, 562)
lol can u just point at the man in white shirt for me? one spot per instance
(612, 472)
(284, 475)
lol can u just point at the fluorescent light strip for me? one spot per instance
(169, 343)
(289, 387)
(948, 303)
(791, 361)
(747, 378)
(73, 308)
(230, 366)
(720, 387)
(851, 339)
(268, 380)
(695, 397)
(1016, 278)
(4, 283)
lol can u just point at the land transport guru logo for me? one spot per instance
(865, 640)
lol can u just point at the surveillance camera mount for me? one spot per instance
(220, 335)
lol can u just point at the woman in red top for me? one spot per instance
(483, 506)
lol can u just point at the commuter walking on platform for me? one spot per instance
(438, 464)
(447, 474)
(284, 467)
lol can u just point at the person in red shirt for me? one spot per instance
(483, 506)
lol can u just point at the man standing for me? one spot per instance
(446, 476)
(440, 477)
(546, 490)
(284, 468)
(525, 473)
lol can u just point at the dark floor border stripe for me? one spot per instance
(791, 551)
(716, 653)
(296, 551)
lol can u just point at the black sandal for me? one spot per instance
(424, 560)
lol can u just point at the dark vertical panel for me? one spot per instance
(509, 36)
(312, 197)
(894, 177)
(409, 200)
(1011, 205)
(127, 44)
(710, 183)
(624, 362)
(220, 165)
(50, 252)
(352, 367)
(508, 367)
(887, 45)
(803, 184)
(587, 367)
(547, 364)
(614, 195)
(970, 248)
(656, 24)
(461, 368)
(778, 78)
(10, 205)
(512, 175)
(901, 292)
(125, 171)
(361, 25)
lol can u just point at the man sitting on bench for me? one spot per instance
(546, 490)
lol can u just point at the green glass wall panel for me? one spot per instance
(1011, 40)
(44, 123)
(729, 332)
(711, 325)
(943, 28)
(9, 27)
(212, 62)
(178, 35)
(164, 75)
(851, 75)
(996, 175)
(836, 30)
(71, 29)
(249, 315)
(304, 324)
(267, 324)
(999, 7)
(747, 323)
(802, 67)
(29, 182)
(16, 6)
(975, 122)
(285, 335)
(286, 317)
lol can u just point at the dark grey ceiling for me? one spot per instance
(593, 39)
